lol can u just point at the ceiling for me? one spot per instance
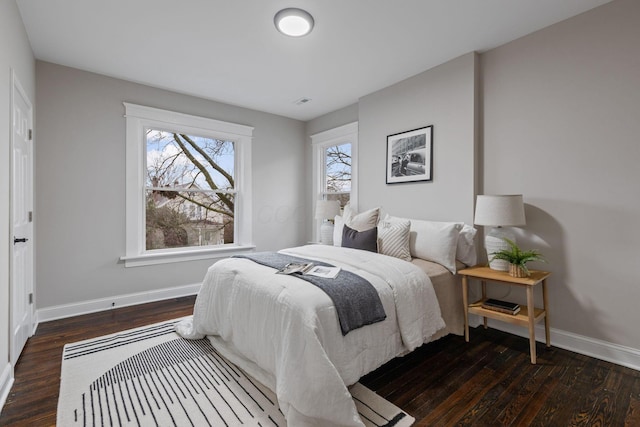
(230, 51)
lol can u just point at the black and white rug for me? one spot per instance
(150, 376)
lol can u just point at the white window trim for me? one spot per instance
(320, 141)
(139, 118)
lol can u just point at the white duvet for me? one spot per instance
(284, 331)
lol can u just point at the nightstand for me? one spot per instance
(528, 315)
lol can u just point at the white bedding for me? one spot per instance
(284, 331)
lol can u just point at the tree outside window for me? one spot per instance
(190, 190)
(338, 173)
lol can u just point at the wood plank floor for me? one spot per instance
(487, 382)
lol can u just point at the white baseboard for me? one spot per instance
(603, 350)
(103, 304)
(6, 381)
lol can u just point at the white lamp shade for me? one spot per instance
(500, 211)
(327, 209)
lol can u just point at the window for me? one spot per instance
(337, 173)
(189, 190)
(335, 168)
(188, 187)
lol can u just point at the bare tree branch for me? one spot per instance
(207, 176)
(209, 159)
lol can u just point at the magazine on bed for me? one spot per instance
(310, 269)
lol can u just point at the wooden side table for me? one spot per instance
(528, 315)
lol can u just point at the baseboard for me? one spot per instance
(6, 381)
(603, 350)
(103, 304)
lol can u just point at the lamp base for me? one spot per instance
(494, 242)
(326, 233)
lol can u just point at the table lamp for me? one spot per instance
(497, 212)
(326, 210)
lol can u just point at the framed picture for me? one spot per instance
(410, 156)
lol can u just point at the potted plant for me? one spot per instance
(517, 258)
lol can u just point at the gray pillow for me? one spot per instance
(366, 240)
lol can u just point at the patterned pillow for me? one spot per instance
(393, 239)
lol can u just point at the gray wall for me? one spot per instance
(80, 159)
(444, 97)
(561, 112)
(557, 113)
(15, 53)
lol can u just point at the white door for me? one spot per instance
(22, 220)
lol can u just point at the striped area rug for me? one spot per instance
(150, 376)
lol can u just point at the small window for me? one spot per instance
(337, 173)
(335, 166)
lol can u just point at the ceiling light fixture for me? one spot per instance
(293, 22)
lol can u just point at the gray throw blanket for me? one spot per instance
(356, 300)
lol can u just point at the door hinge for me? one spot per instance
(31, 298)
(30, 216)
(30, 134)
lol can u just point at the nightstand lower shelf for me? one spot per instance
(520, 319)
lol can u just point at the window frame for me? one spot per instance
(346, 134)
(140, 118)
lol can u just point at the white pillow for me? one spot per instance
(361, 221)
(434, 241)
(466, 248)
(338, 225)
(393, 239)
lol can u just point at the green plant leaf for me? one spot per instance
(514, 255)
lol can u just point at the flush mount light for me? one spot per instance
(293, 22)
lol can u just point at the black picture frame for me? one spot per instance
(410, 156)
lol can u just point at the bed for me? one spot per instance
(284, 332)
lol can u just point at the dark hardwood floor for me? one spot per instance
(487, 382)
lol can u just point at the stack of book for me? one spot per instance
(501, 306)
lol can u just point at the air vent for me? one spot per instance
(302, 101)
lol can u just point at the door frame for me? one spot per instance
(16, 86)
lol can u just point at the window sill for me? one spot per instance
(184, 255)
